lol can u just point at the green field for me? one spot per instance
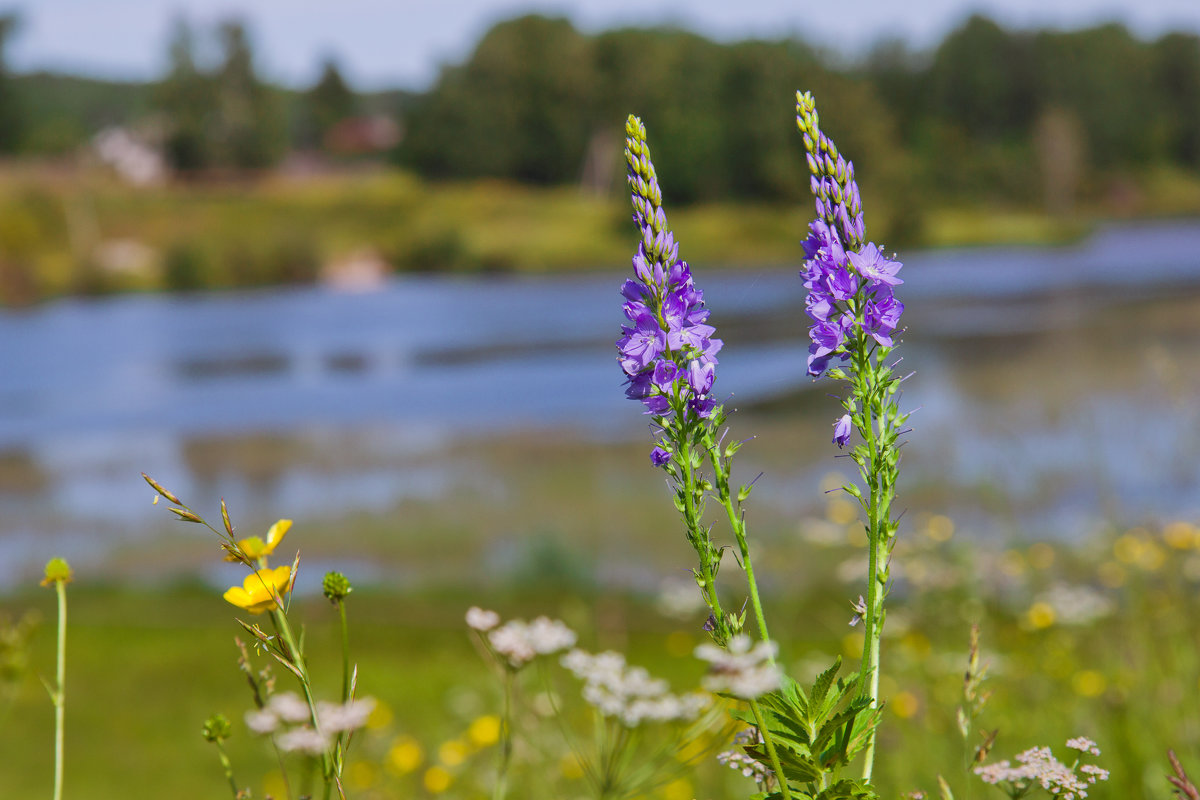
(1115, 657)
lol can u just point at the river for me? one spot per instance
(1056, 390)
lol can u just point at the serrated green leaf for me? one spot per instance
(824, 681)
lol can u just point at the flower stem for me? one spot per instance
(60, 698)
(501, 787)
(771, 754)
(228, 768)
(345, 651)
(737, 523)
(297, 660)
(698, 536)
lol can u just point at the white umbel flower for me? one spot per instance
(744, 670)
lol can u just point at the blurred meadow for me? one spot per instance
(388, 314)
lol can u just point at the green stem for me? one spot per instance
(501, 787)
(771, 754)
(738, 524)
(699, 537)
(292, 651)
(873, 413)
(60, 698)
(345, 652)
(228, 768)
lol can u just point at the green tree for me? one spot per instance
(250, 127)
(1177, 80)
(519, 108)
(328, 102)
(186, 98)
(11, 128)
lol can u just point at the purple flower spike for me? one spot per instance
(841, 431)
(669, 352)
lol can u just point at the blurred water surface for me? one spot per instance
(1056, 389)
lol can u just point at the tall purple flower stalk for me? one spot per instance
(667, 352)
(669, 357)
(855, 314)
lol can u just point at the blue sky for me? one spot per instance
(401, 42)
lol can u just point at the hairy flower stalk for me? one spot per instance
(668, 354)
(854, 316)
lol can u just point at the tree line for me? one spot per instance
(1028, 116)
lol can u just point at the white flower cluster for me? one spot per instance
(520, 642)
(287, 717)
(746, 765)
(630, 694)
(1039, 765)
(744, 670)
(1083, 745)
(482, 619)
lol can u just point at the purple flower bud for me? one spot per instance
(841, 431)
(665, 373)
(700, 376)
(657, 404)
(659, 457)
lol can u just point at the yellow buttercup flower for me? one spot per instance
(258, 592)
(255, 548)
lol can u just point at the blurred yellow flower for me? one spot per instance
(453, 752)
(904, 704)
(437, 780)
(1129, 548)
(940, 528)
(841, 511)
(255, 548)
(1041, 615)
(484, 731)
(405, 755)
(381, 716)
(363, 774)
(1180, 535)
(260, 590)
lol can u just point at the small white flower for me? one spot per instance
(289, 707)
(348, 716)
(302, 740)
(1083, 745)
(743, 670)
(482, 619)
(520, 642)
(261, 721)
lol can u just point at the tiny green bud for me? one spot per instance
(335, 587)
(216, 728)
(852, 490)
(57, 571)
